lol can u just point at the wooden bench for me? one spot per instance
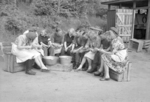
(10, 60)
(124, 76)
(137, 44)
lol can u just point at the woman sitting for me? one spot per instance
(25, 51)
(68, 45)
(80, 42)
(105, 44)
(57, 42)
(89, 56)
(112, 59)
(44, 40)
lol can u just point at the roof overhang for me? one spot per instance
(127, 3)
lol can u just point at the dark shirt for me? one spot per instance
(83, 41)
(43, 39)
(105, 43)
(77, 42)
(57, 38)
(68, 39)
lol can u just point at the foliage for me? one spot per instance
(46, 13)
(43, 7)
(15, 19)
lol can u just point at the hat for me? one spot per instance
(114, 30)
(96, 28)
(31, 35)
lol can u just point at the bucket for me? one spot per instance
(50, 60)
(65, 60)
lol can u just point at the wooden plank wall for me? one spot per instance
(124, 23)
(111, 15)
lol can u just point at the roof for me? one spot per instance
(127, 3)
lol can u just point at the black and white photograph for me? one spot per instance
(74, 50)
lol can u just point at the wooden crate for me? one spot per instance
(10, 60)
(10, 63)
(146, 45)
(124, 76)
(116, 76)
(137, 44)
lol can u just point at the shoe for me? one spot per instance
(104, 79)
(30, 72)
(101, 74)
(97, 73)
(45, 70)
(75, 67)
(78, 69)
(91, 70)
(29, 64)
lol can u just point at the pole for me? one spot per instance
(148, 22)
(133, 19)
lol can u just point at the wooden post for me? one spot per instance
(148, 22)
(133, 19)
(120, 6)
(109, 7)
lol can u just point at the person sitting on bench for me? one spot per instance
(25, 52)
(89, 56)
(78, 53)
(44, 40)
(116, 55)
(69, 43)
(57, 43)
(105, 44)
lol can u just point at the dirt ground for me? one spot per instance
(72, 86)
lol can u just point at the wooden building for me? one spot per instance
(138, 30)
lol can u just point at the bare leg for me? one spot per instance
(39, 62)
(90, 64)
(106, 71)
(101, 66)
(97, 73)
(82, 63)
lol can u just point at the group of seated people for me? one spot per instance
(91, 50)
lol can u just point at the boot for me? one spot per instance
(85, 66)
(76, 65)
(28, 70)
(97, 73)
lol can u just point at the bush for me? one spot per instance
(12, 26)
(43, 7)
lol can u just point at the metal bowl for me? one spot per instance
(65, 60)
(50, 60)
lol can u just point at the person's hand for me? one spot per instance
(44, 45)
(73, 51)
(39, 47)
(29, 47)
(66, 49)
(91, 49)
(33, 47)
(97, 49)
(102, 50)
